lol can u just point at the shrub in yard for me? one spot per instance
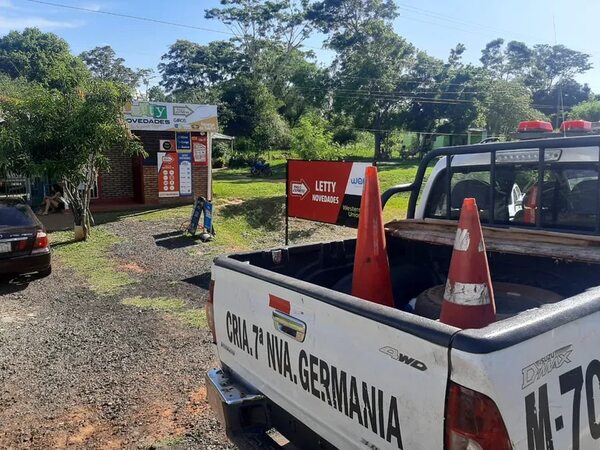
(218, 154)
(312, 140)
(589, 110)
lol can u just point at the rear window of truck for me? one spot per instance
(565, 196)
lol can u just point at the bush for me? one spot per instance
(589, 110)
(218, 154)
(239, 159)
(311, 140)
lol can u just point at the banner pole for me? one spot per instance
(287, 220)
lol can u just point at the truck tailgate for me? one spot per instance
(546, 386)
(356, 381)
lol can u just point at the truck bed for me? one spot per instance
(419, 253)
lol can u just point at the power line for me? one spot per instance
(406, 131)
(451, 19)
(127, 16)
(442, 17)
(140, 18)
(393, 97)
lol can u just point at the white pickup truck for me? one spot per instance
(328, 370)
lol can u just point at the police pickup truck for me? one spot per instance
(299, 354)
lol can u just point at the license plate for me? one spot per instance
(5, 247)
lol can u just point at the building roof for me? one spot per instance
(223, 137)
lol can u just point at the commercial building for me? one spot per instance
(177, 139)
(177, 168)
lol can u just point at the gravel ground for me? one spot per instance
(80, 370)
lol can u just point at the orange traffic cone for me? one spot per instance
(371, 278)
(469, 297)
(530, 207)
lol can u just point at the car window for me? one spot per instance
(569, 196)
(464, 183)
(16, 216)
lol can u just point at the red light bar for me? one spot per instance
(534, 126)
(576, 125)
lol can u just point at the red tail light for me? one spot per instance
(41, 240)
(210, 312)
(473, 422)
(22, 245)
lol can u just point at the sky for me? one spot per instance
(431, 25)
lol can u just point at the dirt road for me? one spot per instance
(80, 369)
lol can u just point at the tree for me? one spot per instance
(588, 110)
(492, 57)
(156, 94)
(561, 97)
(190, 66)
(519, 60)
(268, 38)
(372, 62)
(556, 63)
(250, 111)
(41, 57)
(311, 139)
(444, 99)
(65, 134)
(104, 65)
(455, 58)
(505, 104)
(347, 22)
(539, 68)
(257, 25)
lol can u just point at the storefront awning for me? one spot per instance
(222, 137)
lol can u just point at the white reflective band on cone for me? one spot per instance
(462, 240)
(467, 294)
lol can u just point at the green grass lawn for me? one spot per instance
(194, 317)
(249, 214)
(91, 259)
(251, 211)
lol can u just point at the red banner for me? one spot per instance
(325, 191)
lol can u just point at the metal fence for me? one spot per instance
(15, 186)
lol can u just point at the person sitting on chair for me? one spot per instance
(55, 202)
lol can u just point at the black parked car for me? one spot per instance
(24, 246)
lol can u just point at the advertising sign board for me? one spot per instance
(200, 149)
(185, 174)
(167, 145)
(168, 174)
(325, 191)
(160, 116)
(184, 142)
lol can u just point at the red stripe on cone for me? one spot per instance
(469, 296)
(371, 278)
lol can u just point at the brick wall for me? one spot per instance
(150, 185)
(117, 182)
